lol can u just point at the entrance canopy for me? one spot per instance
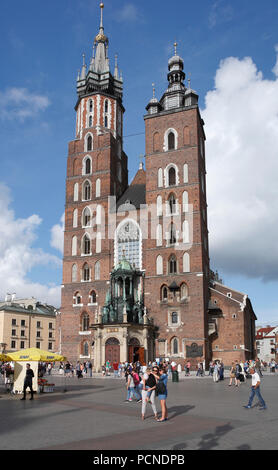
(34, 354)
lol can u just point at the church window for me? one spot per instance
(183, 291)
(128, 243)
(160, 178)
(174, 346)
(174, 318)
(172, 264)
(93, 297)
(185, 201)
(77, 299)
(159, 206)
(85, 322)
(97, 271)
(86, 191)
(185, 231)
(90, 121)
(106, 106)
(172, 176)
(171, 141)
(88, 166)
(98, 187)
(91, 106)
(185, 173)
(86, 245)
(164, 293)
(186, 263)
(89, 143)
(74, 246)
(159, 265)
(172, 207)
(85, 349)
(74, 273)
(75, 192)
(105, 121)
(86, 217)
(74, 218)
(159, 235)
(86, 272)
(173, 235)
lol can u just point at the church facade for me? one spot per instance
(137, 283)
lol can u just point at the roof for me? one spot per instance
(134, 196)
(40, 309)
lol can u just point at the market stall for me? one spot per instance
(32, 356)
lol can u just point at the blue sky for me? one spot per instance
(41, 46)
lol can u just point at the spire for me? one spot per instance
(101, 63)
(116, 70)
(83, 70)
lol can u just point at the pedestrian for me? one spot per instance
(131, 391)
(211, 368)
(90, 369)
(28, 382)
(49, 368)
(162, 393)
(79, 370)
(67, 369)
(258, 367)
(255, 390)
(115, 368)
(216, 372)
(187, 369)
(232, 374)
(221, 371)
(148, 391)
(238, 372)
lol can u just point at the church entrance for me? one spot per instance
(135, 352)
(112, 350)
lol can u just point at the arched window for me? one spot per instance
(159, 205)
(186, 263)
(86, 191)
(74, 218)
(85, 349)
(159, 235)
(128, 243)
(90, 121)
(86, 245)
(106, 106)
(185, 231)
(85, 322)
(91, 106)
(75, 192)
(164, 293)
(172, 176)
(105, 121)
(171, 141)
(183, 291)
(98, 187)
(92, 297)
(86, 272)
(185, 173)
(86, 217)
(172, 208)
(74, 246)
(185, 201)
(87, 166)
(172, 264)
(172, 235)
(89, 143)
(160, 178)
(77, 299)
(174, 318)
(174, 346)
(74, 273)
(159, 265)
(97, 271)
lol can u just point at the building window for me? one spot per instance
(174, 318)
(172, 176)
(86, 191)
(38, 334)
(173, 235)
(86, 272)
(175, 346)
(85, 349)
(49, 346)
(171, 141)
(75, 218)
(38, 324)
(22, 344)
(172, 204)
(164, 293)
(38, 345)
(186, 263)
(184, 291)
(159, 235)
(77, 298)
(97, 271)
(159, 265)
(128, 243)
(14, 321)
(13, 332)
(86, 217)
(91, 106)
(172, 264)
(50, 334)
(75, 192)
(160, 178)
(22, 333)
(74, 273)
(85, 322)
(90, 121)
(22, 322)
(92, 297)
(86, 245)
(98, 187)
(13, 344)
(89, 143)
(87, 166)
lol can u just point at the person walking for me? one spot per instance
(238, 372)
(188, 365)
(148, 391)
(216, 372)
(258, 367)
(232, 374)
(255, 390)
(162, 393)
(28, 382)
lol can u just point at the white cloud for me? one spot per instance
(128, 13)
(18, 256)
(220, 12)
(19, 103)
(57, 235)
(241, 116)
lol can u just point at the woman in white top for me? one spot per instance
(148, 391)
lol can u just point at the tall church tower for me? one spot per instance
(96, 169)
(176, 252)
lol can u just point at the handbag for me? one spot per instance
(160, 389)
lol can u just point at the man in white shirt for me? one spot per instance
(255, 390)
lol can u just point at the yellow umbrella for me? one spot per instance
(5, 357)
(35, 354)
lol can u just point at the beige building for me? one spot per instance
(26, 323)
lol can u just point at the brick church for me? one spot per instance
(137, 283)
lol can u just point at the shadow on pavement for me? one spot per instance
(179, 410)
